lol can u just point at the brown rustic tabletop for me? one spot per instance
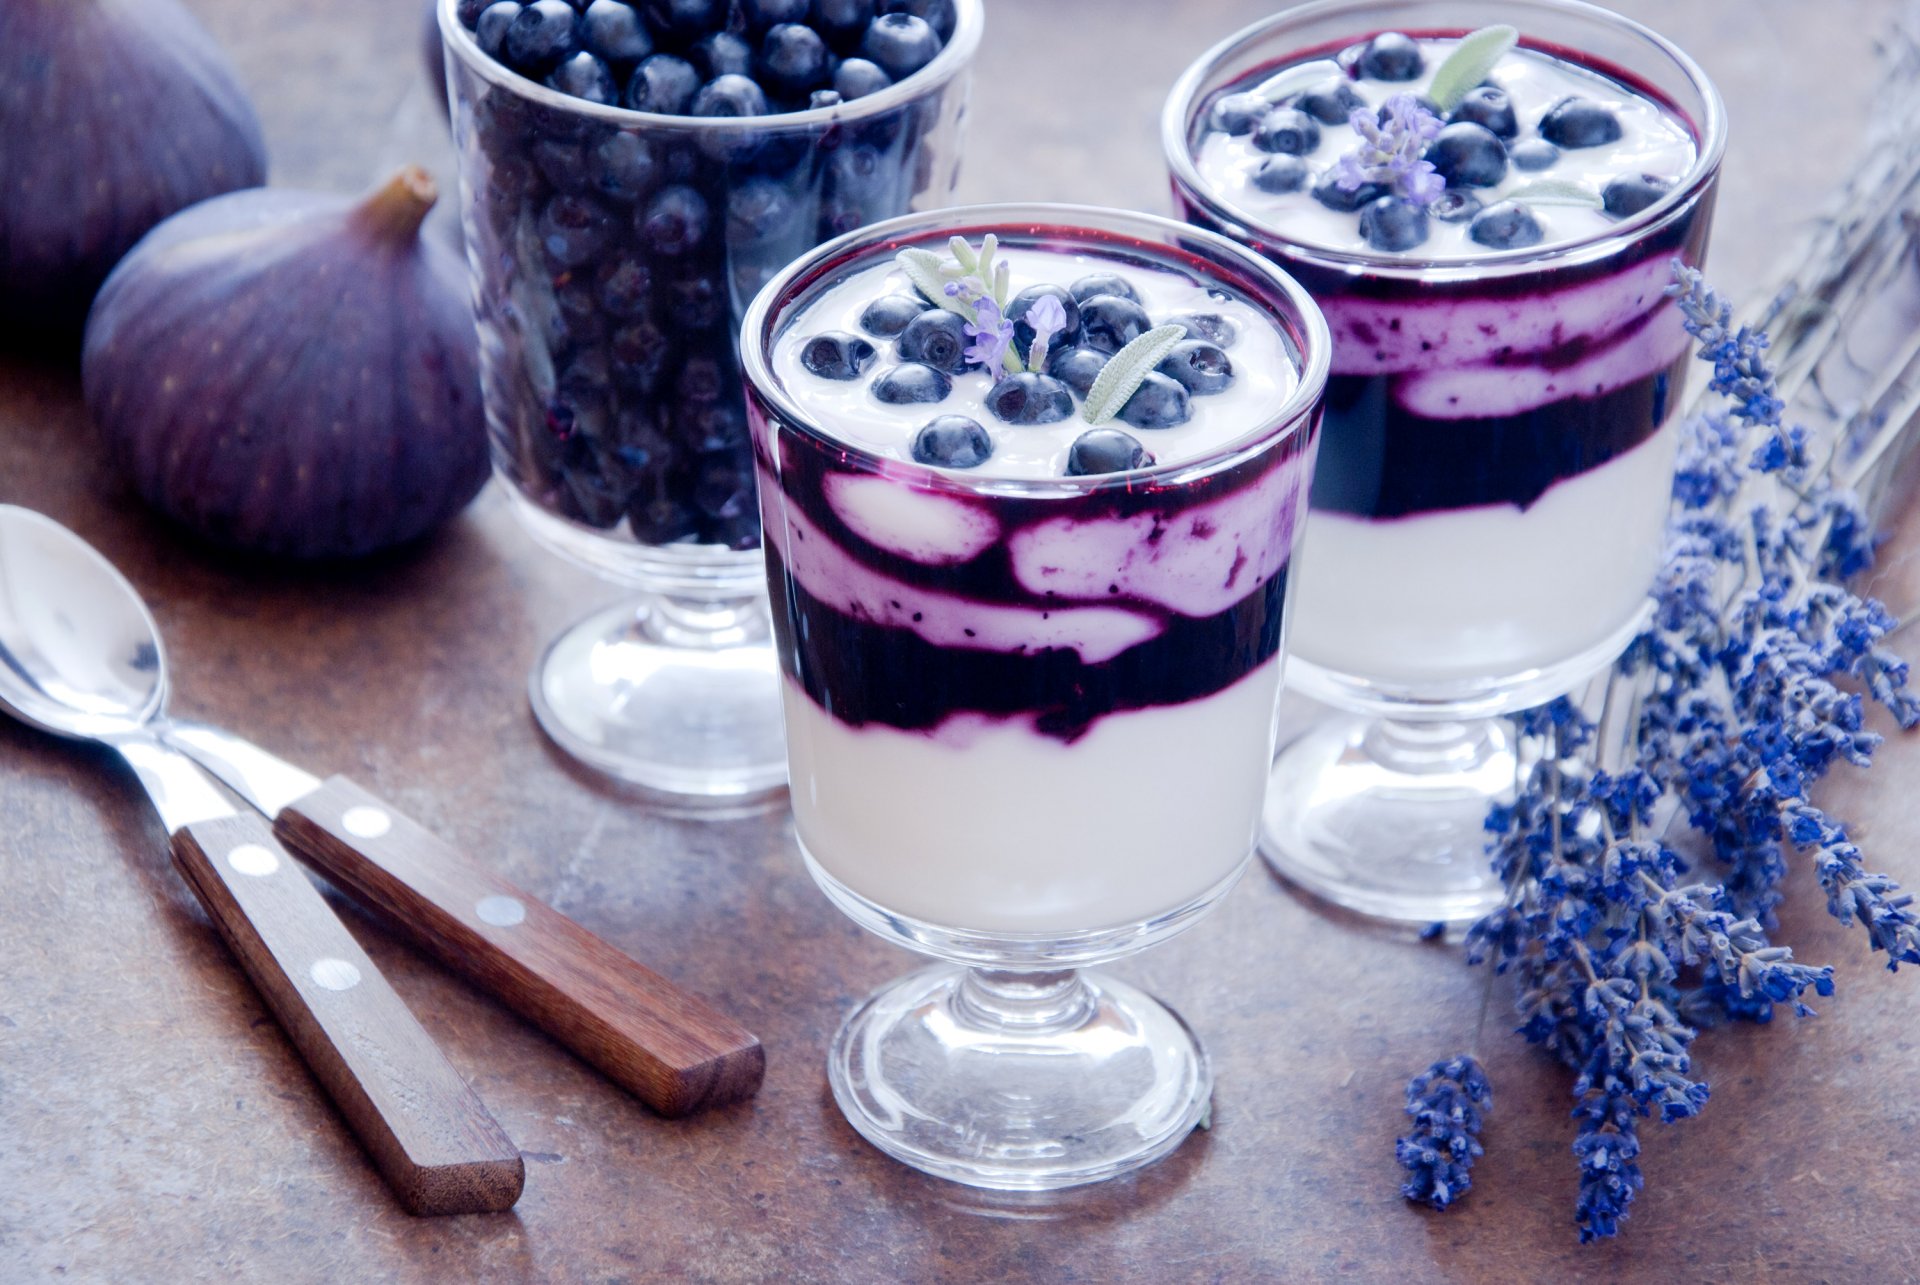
(155, 1124)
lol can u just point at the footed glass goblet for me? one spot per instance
(612, 254)
(1030, 688)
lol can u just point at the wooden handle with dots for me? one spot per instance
(671, 1049)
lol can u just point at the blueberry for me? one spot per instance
(1454, 206)
(1030, 399)
(540, 36)
(856, 78)
(1237, 114)
(942, 15)
(574, 229)
(1077, 368)
(1629, 194)
(1488, 106)
(1105, 450)
(623, 166)
(641, 355)
(821, 99)
(1281, 174)
(952, 441)
(662, 519)
(836, 355)
(1198, 366)
(722, 54)
(1579, 122)
(1210, 326)
(1533, 154)
(1096, 283)
(686, 20)
(900, 44)
(1159, 402)
(890, 314)
(793, 59)
(675, 221)
(614, 31)
(729, 95)
(662, 83)
(912, 382)
(722, 489)
(1391, 56)
(585, 76)
(842, 22)
(491, 33)
(1468, 155)
(1505, 225)
(938, 338)
(469, 12)
(1023, 333)
(1330, 194)
(761, 14)
(1392, 223)
(695, 302)
(1330, 102)
(1286, 129)
(626, 288)
(1109, 322)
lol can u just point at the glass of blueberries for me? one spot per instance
(631, 174)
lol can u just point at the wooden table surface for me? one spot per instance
(154, 1124)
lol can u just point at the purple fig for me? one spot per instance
(113, 115)
(293, 373)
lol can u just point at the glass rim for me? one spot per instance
(1177, 116)
(953, 57)
(1315, 342)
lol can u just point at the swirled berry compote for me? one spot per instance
(1488, 227)
(1029, 510)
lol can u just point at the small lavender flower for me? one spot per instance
(1390, 154)
(1447, 1102)
(1048, 317)
(992, 334)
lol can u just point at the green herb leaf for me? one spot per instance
(1553, 191)
(1469, 64)
(1302, 75)
(1128, 369)
(923, 269)
(963, 253)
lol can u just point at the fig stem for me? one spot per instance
(394, 210)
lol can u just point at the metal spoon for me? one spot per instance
(81, 657)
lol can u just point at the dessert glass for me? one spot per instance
(1018, 835)
(1458, 569)
(612, 254)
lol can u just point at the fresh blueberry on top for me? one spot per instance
(469, 12)
(490, 33)
(1579, 122)
(1287, 129)
(722, 54)
(1330, 102)
(675, 221)
(761, 14)
(842, 22)
(1346, 200)
(1198, 366)
(1237, 114)
(1077, 368)
(1159, 402)
(900, 44)
(1017, 307)
(1101, 283)
(952, 441)
(911, 383)
(1391, 56)
(836, 355)
(1030, 399)
(585, 76)
(686, 19)
(1454, 206)
(888, 315)
(729, 95)
(941, 15)
(1393, 223)
(662, 83)
(856, 78)
(1628, 194)
(1505, 225)
(541, 36)
(1105, 450)
(1468, 155)
(1532, 154)
(614, 31)
(1210, 326)
(1488, 106)
(1281, 174)
(1109, 322)
(938, 338)
(793, 59)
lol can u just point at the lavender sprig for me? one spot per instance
(1390, 154)
(1446, 1102)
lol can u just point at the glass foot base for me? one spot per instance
(1389, 819)
(646, 695)
(1019, 1081)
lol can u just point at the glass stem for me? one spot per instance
(1034, 1003)
(1430, 748)
(704, 622)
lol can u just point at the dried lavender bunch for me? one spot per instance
(1624, 946)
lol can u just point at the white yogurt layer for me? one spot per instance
(1264, 374)
(1652, 141)
(988, 825)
